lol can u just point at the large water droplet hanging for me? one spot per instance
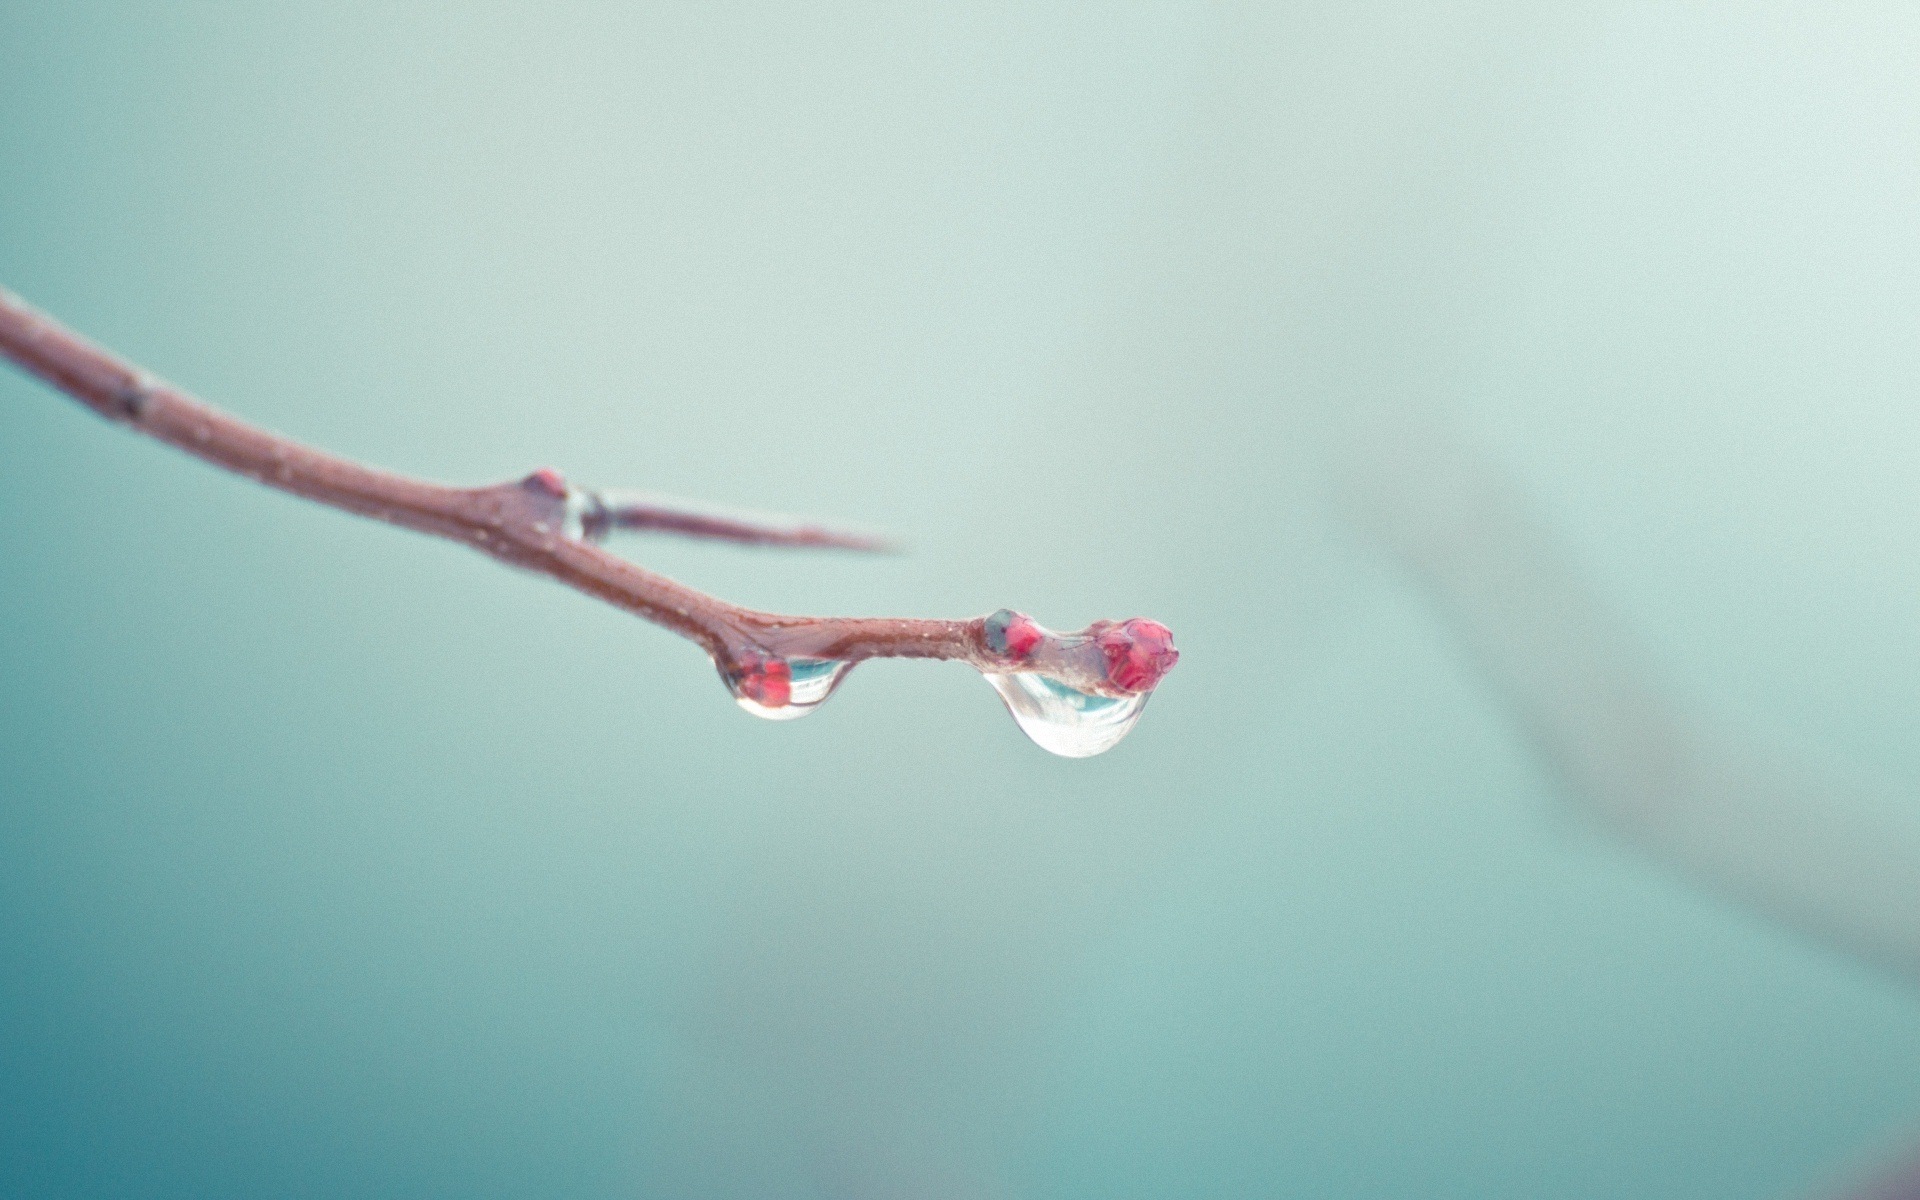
(1063, 719)
(782, 689)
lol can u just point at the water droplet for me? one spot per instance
(783, 689)
(1063, 719)
(582, 516)
(573, 520)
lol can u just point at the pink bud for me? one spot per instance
(550, 481)
(1139, 654)
(1013, 634)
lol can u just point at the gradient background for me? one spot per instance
(337, 861)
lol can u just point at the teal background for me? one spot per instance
(335, 861)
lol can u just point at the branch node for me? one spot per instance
(132, 399)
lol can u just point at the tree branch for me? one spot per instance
(542, 523)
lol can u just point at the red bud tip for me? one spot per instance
(1023, 635)
(1012, 635)
(550, 481)
(1139, 654)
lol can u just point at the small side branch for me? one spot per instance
(611, 511)
(539, 523)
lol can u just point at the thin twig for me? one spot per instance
(610, 510)
(541, 523)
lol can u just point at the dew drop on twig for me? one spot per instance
(1064, 719)
(782, 689)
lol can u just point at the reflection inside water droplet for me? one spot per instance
(783, 689)
(1063, 719)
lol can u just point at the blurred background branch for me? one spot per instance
(1735, 815)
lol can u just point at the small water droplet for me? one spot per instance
(1063, 719)
(583, 517)
(783, 689)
